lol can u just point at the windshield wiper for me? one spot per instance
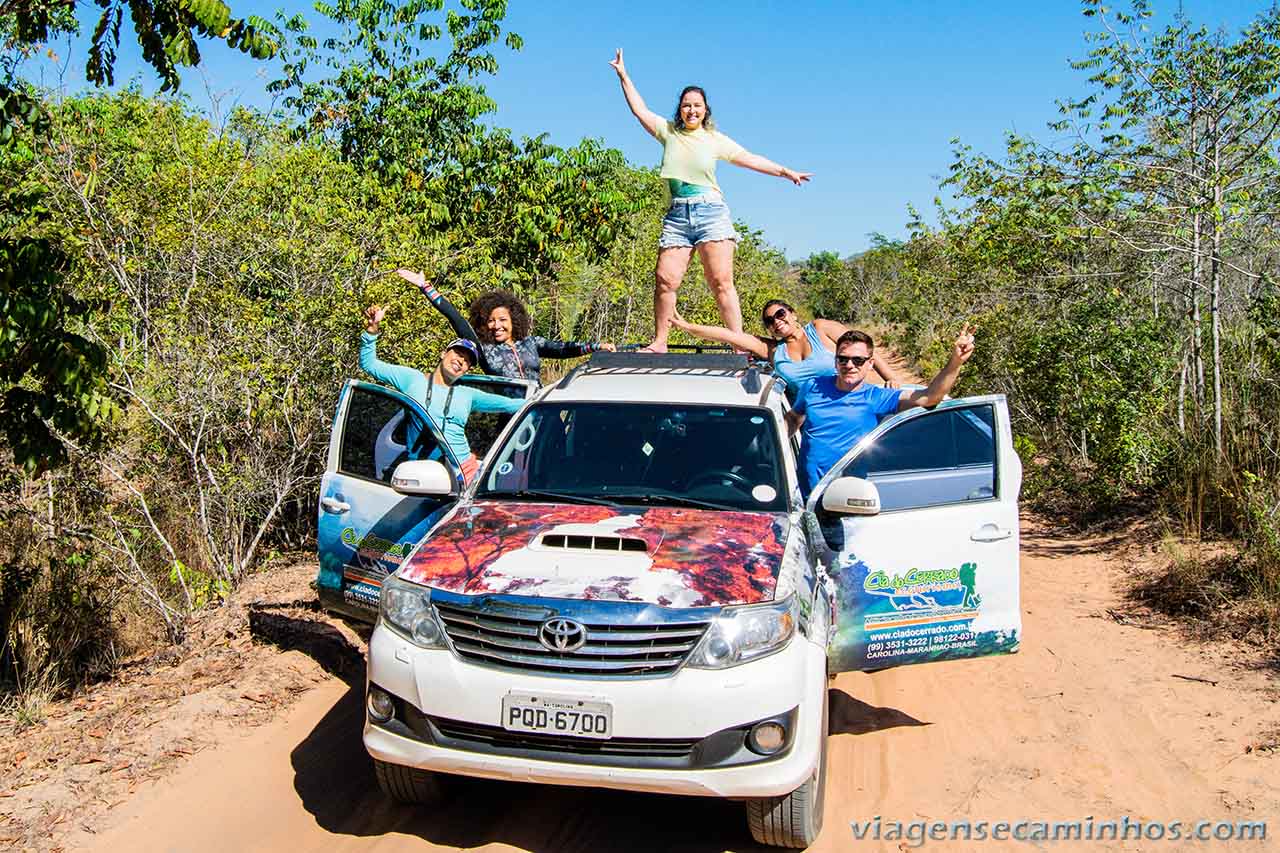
(673, 500)
(564, 497)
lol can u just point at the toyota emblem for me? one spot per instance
(562, 635)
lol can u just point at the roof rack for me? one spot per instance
(698, 348)
(721, 361)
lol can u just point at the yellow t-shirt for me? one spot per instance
(691, 156)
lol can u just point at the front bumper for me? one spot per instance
(692, 705)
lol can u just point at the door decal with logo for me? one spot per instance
(933, 574)
(356, 564)
(914, 616)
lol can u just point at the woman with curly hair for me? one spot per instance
(500, 327)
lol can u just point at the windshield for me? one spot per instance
(634, 453)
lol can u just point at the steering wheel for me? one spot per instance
(736, 480)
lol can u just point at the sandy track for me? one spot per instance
(1087, 720)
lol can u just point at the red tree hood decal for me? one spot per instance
(692, 557)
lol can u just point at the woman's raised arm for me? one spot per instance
(743, 341)
(459, 323)
(764, 165)
(648, 119)
(831, 330)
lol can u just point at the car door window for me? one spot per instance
(942, 457)
(483, 428)
(380, 433)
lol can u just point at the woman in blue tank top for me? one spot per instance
(799, 352)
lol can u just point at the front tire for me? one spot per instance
(793, 820)
(408, 784)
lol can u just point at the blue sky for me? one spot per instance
(865, 95)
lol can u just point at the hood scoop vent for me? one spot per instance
(595, 543)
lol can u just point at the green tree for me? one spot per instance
(377, 91)
(399, 105)
(1185, 124)
(54, 378)
(166, 30)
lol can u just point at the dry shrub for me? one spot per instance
(60, 594)
(1215, 586)
(63, 624)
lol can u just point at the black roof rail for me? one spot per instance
(569, 377)
(725, 361)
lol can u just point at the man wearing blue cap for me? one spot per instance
(448, 404)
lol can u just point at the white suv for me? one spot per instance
(633, 595)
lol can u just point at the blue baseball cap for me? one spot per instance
(466, 346)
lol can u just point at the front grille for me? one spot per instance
(610, 650)
(493, 736)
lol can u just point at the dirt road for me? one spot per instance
(1087, 720)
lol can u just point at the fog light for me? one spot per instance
(380, 704)
(767, 738)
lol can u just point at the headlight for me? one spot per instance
(741, 634)
(406, 607)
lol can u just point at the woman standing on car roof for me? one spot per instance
(799, 352)
(698, 217)
(506, 347)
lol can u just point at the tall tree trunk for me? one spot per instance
(1193, 296)
(1215, 299)
(1197, 229)
(1182, 396)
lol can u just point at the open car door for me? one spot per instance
(366, 528)
(919, 525)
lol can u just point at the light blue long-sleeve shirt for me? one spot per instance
(459, 400)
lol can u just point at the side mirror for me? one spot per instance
(422, 477)
(850, 496)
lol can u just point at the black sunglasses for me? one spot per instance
(855, 360)
(770, 319)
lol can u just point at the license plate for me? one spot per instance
(556, 715)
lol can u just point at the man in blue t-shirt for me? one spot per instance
(834, 412)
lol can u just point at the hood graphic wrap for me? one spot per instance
(692, 557)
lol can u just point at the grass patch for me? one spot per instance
(1220, 589)
(27, 706)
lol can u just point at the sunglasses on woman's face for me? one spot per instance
(855, 360)
(771, 319)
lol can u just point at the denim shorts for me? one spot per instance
(696, 219)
